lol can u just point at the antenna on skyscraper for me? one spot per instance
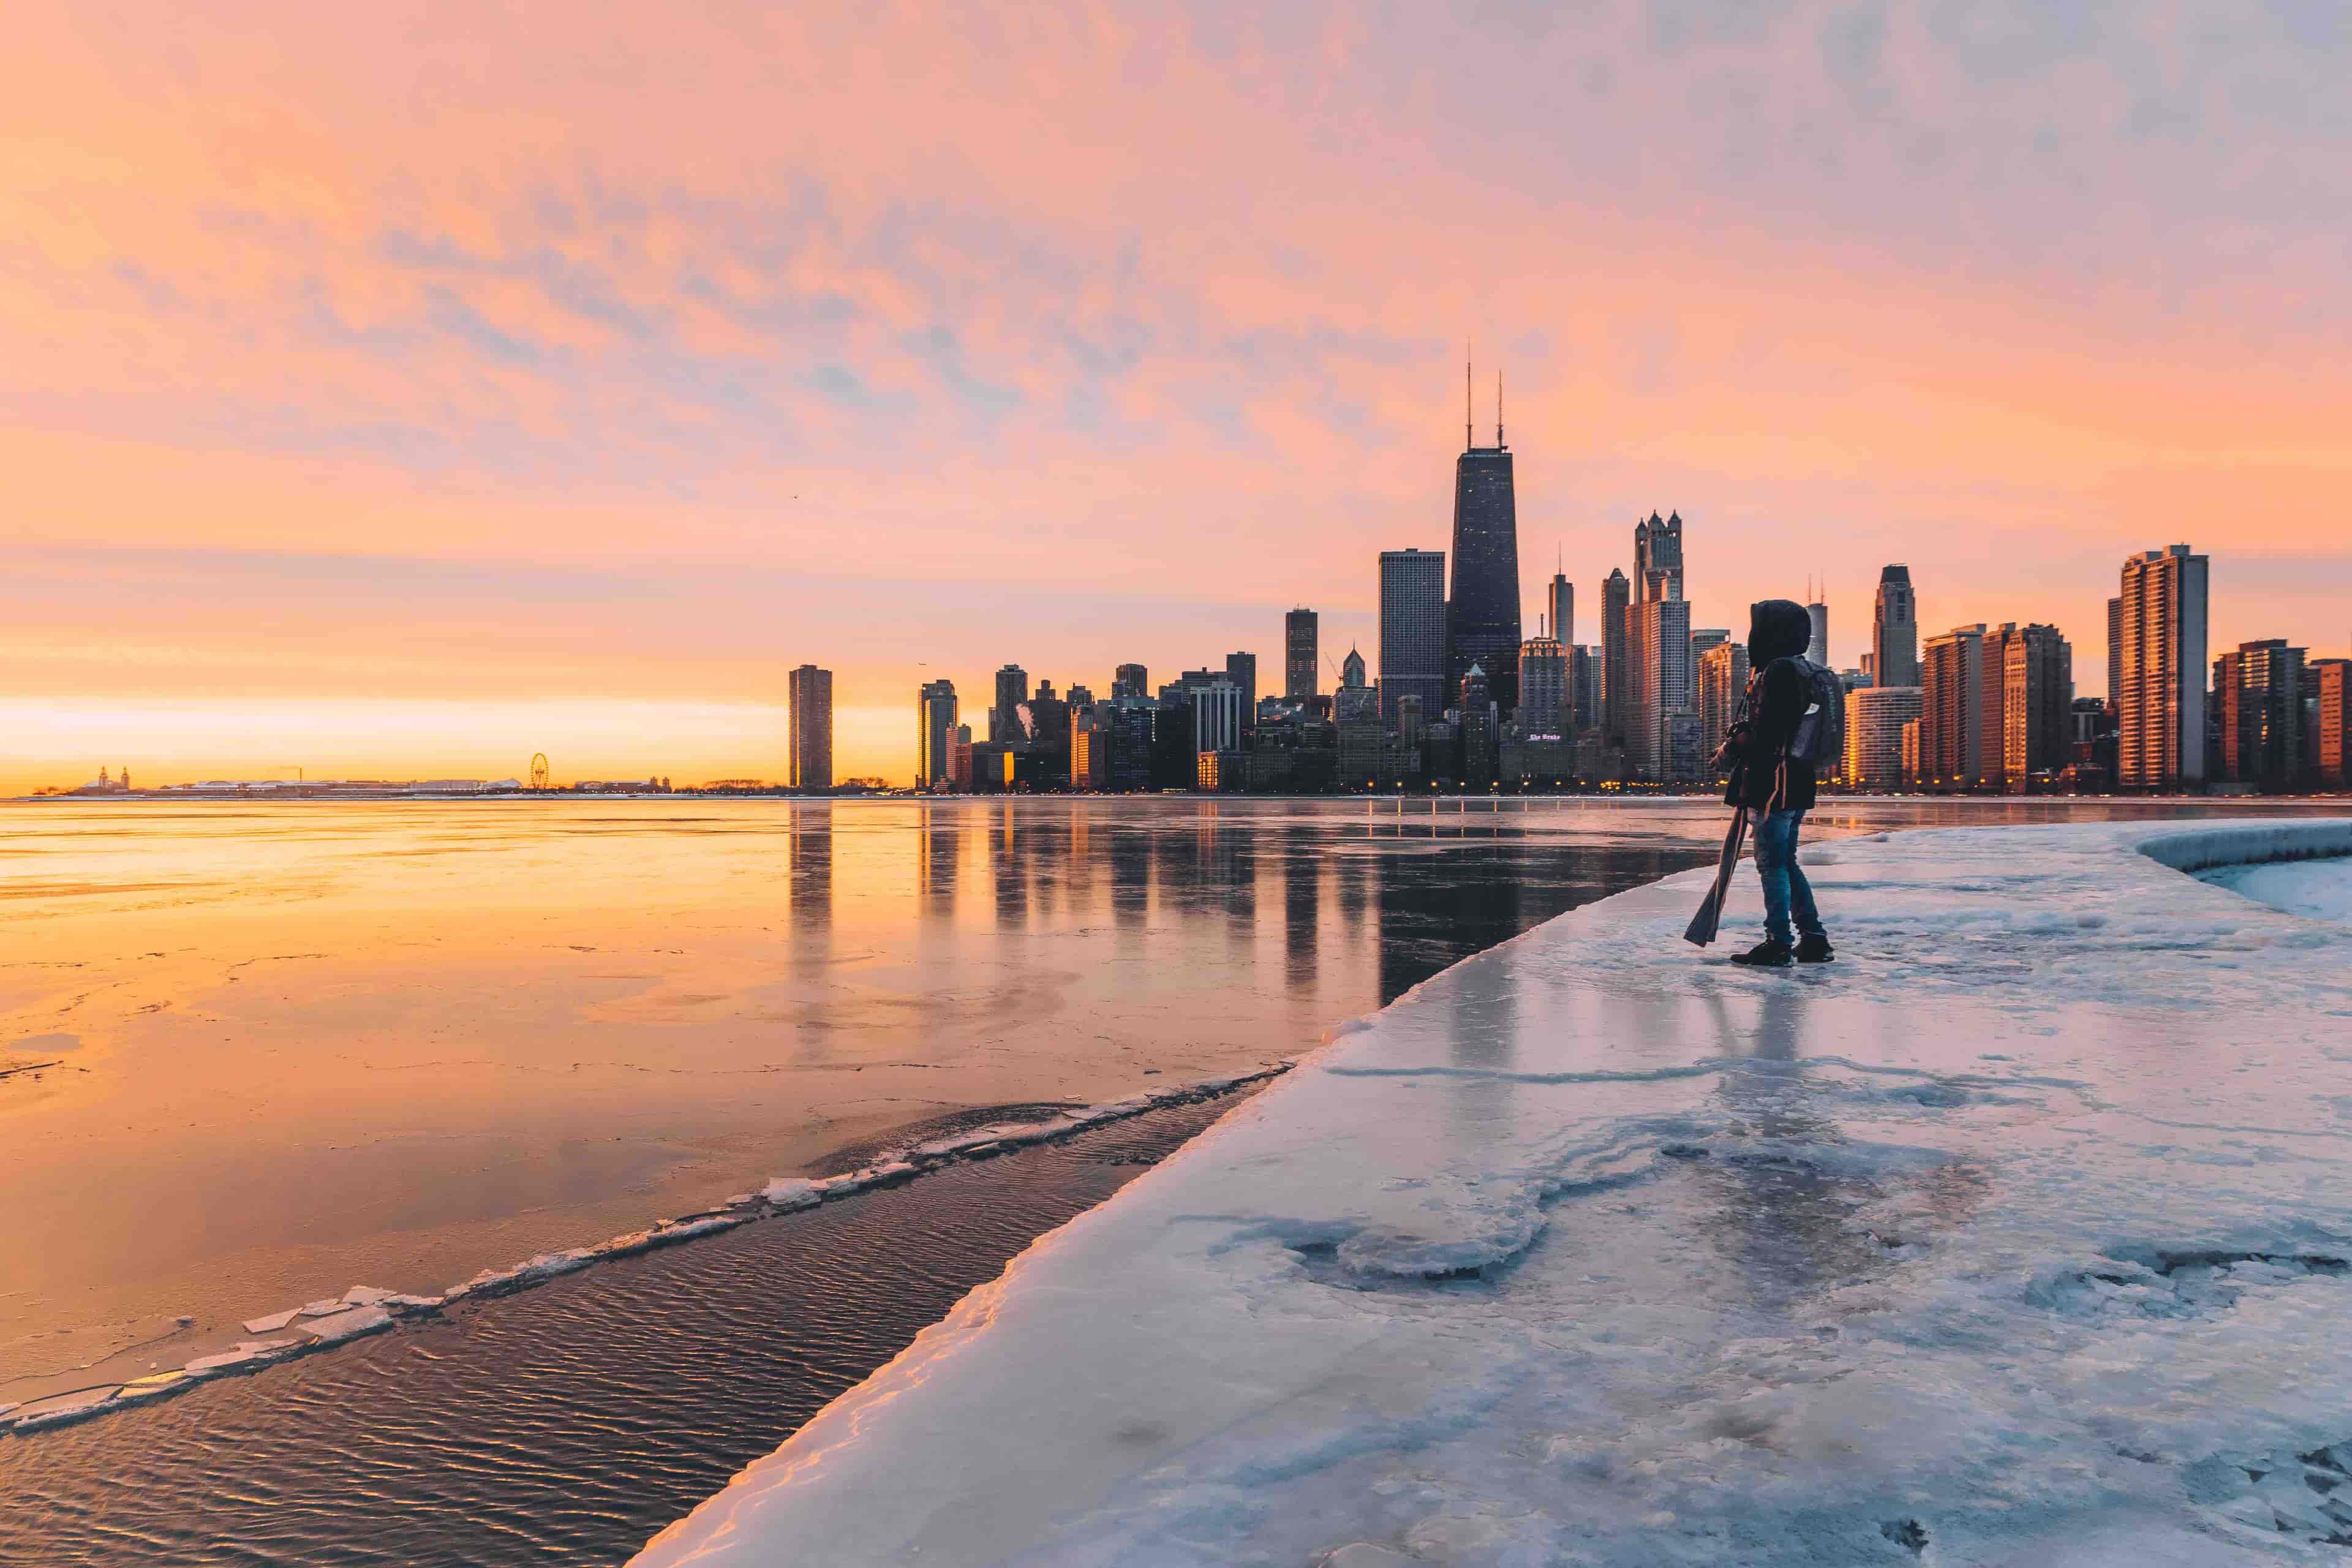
(1498, 411)
(1469, 436)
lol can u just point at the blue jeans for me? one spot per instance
(1786, 891)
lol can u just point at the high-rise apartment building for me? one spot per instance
(1876, 719)
(810, 692)
(1543, 690)
(1616, 681)
(1559, 610)
(2161, 718)
(1130, 680)
(1658, 650)
(1951, 710)
(1302, 669)
(2036, 699)
(935, 727)
(2114, 656)
(1005, 726)
(2259, 687)
(1482, 616)
(1241, 669)
(1413, 630)
(1658, 558)
(2333, 721)
(1895, 633)
(1992, 713)
(1722, 682)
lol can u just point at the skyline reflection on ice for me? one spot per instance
(273, 1051)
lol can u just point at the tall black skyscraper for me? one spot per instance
(1482, 616)
(1616, 680)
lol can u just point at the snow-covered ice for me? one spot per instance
(2022, 1234)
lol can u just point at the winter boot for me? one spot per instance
(1814, 948)
(1769, 954)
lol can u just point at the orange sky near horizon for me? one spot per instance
(405, 392)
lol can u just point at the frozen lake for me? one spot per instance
(255, 1055)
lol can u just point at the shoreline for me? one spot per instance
(362, 1310)
(1586, 1247)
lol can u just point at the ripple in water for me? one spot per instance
(568, 1424)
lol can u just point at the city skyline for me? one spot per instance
(371, 434)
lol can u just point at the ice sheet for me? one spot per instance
(2022, 1234)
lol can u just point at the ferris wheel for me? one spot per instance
(539, 770)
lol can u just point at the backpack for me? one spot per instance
(1821, 734)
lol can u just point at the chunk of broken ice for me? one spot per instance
(345, 1325)
(272, 1323)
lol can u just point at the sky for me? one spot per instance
(406, 389)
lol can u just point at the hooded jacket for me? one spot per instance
(1763, 776)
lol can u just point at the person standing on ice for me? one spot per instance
(1787, 722)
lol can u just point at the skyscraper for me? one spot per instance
(1481, 742)
(1543, 690)
(2334, 722)
(1658, 653)
(2161, 720)
(1130, 680)
(1413, 630)
(1992, 747)
(810, 692)
(2114, 656)
(1005, 726)
(1658, 558)
(1584, 688)
(1818, 650)
(1482, 615)
(1241, 669)
(1560, 610)
(1722, 682)
(1876, 718)
(1302, 669)
(935, 727)
(1616, 684)
(2037, 701)
(1356, 723)
(1895, 633)
(1216, 716)
(2258, 685)
(1951, 710)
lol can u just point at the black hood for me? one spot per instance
(1776, 629)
